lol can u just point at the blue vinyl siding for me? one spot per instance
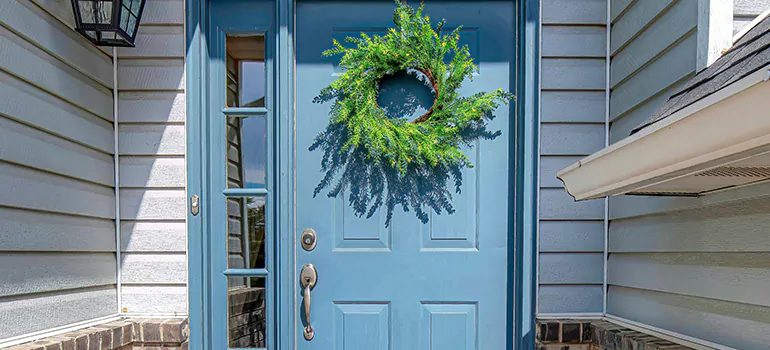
(571, 242)
(695, 266)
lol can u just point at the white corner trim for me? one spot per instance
(715, 30)
(750, 26)
(116, 164)
(731, 121)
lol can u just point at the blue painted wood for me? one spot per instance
(245, 192)
(196, 100)
(235, 17)
(286, 295)
(525, 172)
(245, 111)
(246, 272)
(444, 283)
(208, 320)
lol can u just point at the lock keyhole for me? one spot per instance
(308, 239)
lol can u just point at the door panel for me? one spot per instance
(440, 285)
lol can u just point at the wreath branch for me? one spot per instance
(382, 162)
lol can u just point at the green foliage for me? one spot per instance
(396, 161)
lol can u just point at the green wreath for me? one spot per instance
(378, 160)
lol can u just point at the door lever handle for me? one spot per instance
(307, 279)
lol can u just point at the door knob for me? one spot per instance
(307, 279)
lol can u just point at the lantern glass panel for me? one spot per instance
(135, 6)
(95, 12)
(131, 25)
(124, 14)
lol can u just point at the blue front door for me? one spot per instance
(443, 285)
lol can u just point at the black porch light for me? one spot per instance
(108, 22)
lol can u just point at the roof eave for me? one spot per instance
(731, 123)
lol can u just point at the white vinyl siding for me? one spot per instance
(151, 110)
(57, 204)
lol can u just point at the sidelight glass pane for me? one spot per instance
(246, 74)
(246, 232)
(246, 312)
(246, 152)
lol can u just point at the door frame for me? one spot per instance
(523, 173)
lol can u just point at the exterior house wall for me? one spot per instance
(654, 47)
(573, 108)
(57, 203)
(695, 266)
(744, 11)
(151, 116)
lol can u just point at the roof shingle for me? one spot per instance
(749, 54)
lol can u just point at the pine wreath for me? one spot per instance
(378, 160)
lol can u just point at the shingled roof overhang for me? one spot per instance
(712, 135)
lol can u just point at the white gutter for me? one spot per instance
(729, 125)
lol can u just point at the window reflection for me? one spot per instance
(246, 74)
(246, 321)
(246, 232)
(246, 152)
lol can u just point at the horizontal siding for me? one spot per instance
(571, 268)
(622, 127)
(57, 206)
(567, 299)
(573, 112)
(152, 172)
(571, 236)
(744, 11)
(557, 204)
(672, 26)
(653, 46)
(565, 12)
(573, 106)
(35, 190)
(690, 264)
(573, 74)
(155, 299)
(666, 70)
(750, 7)
(46, 231)
(50, 34)
(151, 74)
(151, 105)
(550, 165)
(22, 144)
(150, 237)
(736, 325)
(153, 268)
(740, 277)
(32, 64)
(22, 315)
(39, 109)
(61, 271)
(558, 41)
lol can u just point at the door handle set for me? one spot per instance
(308, 277)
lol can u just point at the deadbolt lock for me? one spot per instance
(308, 239)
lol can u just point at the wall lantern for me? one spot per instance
(108, 22)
